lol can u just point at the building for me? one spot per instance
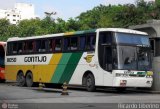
(20, 12)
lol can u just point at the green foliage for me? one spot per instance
(4, 24)
(101, 16)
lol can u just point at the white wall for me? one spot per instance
(2, 13)
(26, 10)
(21, 11)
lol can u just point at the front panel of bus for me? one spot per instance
(126, 58)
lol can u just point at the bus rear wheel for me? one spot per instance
(2, 80)
(29, 79)
(90, 83)
(20, 79)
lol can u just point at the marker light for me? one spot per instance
(149, 74)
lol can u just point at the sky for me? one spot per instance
(65, 9)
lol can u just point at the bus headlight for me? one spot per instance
(149, 74)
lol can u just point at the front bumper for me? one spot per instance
(132, 82)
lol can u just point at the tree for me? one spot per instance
(4, 24)
(72, 25)
(101, 16)
(48, 25)
(60, 26)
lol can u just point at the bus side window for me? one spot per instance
(90, 42)
(20, 47)
(51, 44)
(67, 44)
(43, 46)
(106, 38)
(82, 42)
(93, 42)
(38, 45)
(30, 46)
(58, 45)
(74, 43)
(25, 47)
(14, 49)
(9, 48)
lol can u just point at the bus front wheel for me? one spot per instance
(20, 79)
(90, 83)
(29, 79)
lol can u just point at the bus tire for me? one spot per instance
(29, 79)
(90, 83)
(20, 79)
(2, 80)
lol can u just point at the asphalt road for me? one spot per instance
(51, 98)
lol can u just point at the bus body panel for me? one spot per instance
(2, 55)
(2, 73)
(87, 63)
(139, 82)
(69, 66)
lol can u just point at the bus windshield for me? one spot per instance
(133, 58)
(132, 52)
(124, 51)
(133, 39)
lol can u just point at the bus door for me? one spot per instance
(107, 65)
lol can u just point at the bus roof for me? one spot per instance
(79, 32)
(123, 30)
(2, 43)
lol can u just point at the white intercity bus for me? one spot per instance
(109, 57)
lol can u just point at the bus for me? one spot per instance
(104, 57)
(2, 60)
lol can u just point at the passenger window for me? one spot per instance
(67, 46)
(20, 47)
(51, 44)
(106, 38)
(41, 45)
(24, 47)
(90, 42)
(9, 48)
(74, 43)
(71, 43)
(14, 49)
(58, 44)
(30, 46)
(82, 42)
(93, 42)
(38, 45)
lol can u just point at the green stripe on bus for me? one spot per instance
(61, 67)
(70, 68)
